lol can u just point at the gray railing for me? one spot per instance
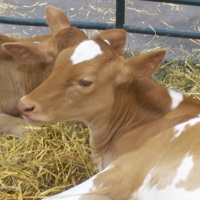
(120, 16)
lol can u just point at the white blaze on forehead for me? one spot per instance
(181, 127)
(170, 192)
(86, 50)
(176, 97)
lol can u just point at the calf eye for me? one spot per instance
(85, 83)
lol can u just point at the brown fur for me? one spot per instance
(26, 62)
(130, 118)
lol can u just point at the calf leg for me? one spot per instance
(11, 125)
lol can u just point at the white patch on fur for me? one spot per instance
(171, 192)
(183, 170)
(80, 190)
(145, 183)
(107, 41)
(181, 127)
(176, 97)
(86, 50)
(37, 42)
(76, 192)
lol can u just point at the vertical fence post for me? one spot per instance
(120, 13)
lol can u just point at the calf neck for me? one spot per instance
(144, 137)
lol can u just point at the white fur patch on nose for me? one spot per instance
(86, 50)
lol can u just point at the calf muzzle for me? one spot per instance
(24, 107)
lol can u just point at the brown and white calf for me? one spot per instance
(25, 63)
(145, 139)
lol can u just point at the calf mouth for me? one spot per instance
(31, 120)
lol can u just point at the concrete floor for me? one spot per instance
(139, 13)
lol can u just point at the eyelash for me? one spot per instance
(85, 83)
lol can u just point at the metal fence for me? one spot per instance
(120, 22)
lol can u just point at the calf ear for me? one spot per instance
(56, 19)
(116, 38)
(144, 65)
(28, 52)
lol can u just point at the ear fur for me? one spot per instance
(28, 52)
(56, 19)
(144, 65)
(116, 38)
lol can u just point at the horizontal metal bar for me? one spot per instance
(93, 25)
(23, 21)
(162, 31)
(186, 2)
(103, 26)
(42, 22)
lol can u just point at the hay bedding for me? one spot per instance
(44, 162)
(56, 157)
(182, 75)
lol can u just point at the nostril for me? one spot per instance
(24, 106)
(28, 108)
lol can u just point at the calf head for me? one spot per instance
(84, 80)
(44, 49)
